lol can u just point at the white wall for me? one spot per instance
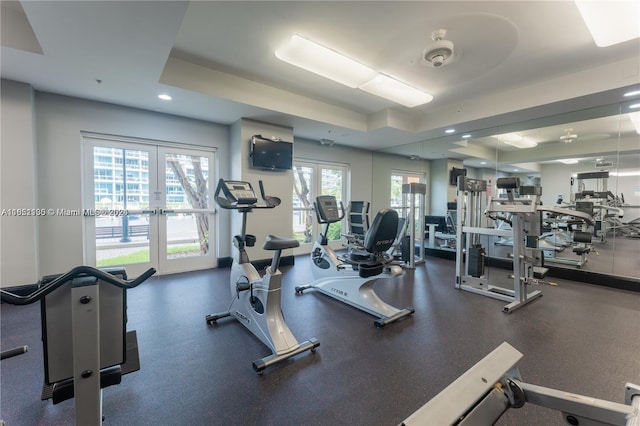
(383, 165)
(59, 121)
(358, 161)
(279, 183)
(18, 234)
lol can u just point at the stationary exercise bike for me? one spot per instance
(350, 278)
(255, 300)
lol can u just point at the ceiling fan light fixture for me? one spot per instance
(439, 52)
(321, 60)
(568, 137)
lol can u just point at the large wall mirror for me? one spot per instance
(582, 159)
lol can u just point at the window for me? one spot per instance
(399, 201)
(311, 179)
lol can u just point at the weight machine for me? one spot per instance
(470, 255)
(413, 196)
(525, 230)
(487, 390)
(86, 346)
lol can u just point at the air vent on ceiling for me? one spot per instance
(604, 164)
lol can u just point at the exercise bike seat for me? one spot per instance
(379, 237)
(277, 243)
(382, 233)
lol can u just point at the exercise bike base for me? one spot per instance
(403, 313)
(215, 317)
(361, 297)
(309, 345)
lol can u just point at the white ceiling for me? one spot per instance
(217, 61)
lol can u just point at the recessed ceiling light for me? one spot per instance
(634, 106)
(483, 162)
(450, 130)
(634, 93)
(164, 97)
(466, 136)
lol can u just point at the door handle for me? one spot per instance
(166, 211)
(152, 211)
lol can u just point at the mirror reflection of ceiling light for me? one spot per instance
(517, 140)
(569, 136)
(635, 119)
(569, 161)
(623, 173)
(328, 63)
(610, 22)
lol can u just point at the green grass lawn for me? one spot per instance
(141, 256)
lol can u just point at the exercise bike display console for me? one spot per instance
(236, 192)
(256, 300)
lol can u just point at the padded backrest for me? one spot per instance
(382, 232)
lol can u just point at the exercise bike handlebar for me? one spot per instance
(77, 272)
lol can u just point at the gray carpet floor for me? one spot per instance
(578, 337)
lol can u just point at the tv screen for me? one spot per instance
(271, 155)
(453, 176)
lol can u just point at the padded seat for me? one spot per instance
(277, 243)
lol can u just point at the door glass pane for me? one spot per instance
(331, 184)
(121, 184)
(303, 198)
(187, 188)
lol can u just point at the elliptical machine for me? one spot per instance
(255, 300)
(350, 278)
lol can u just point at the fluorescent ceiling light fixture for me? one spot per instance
(466, 136)
(450, 130)
(634, 93)
(515, 139)
(569, 161)
(165, 97)
(396, 91)
(323, 61)
(610, 22)
(635, 119)
(483, 162)
(634, 106)
(623, 173)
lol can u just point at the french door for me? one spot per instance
(311, 179)
(147, 206)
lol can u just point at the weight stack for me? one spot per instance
(475, 262)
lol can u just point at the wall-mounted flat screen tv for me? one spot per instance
(453, 175)
(270, 154)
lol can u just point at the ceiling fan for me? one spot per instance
(569, 136)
